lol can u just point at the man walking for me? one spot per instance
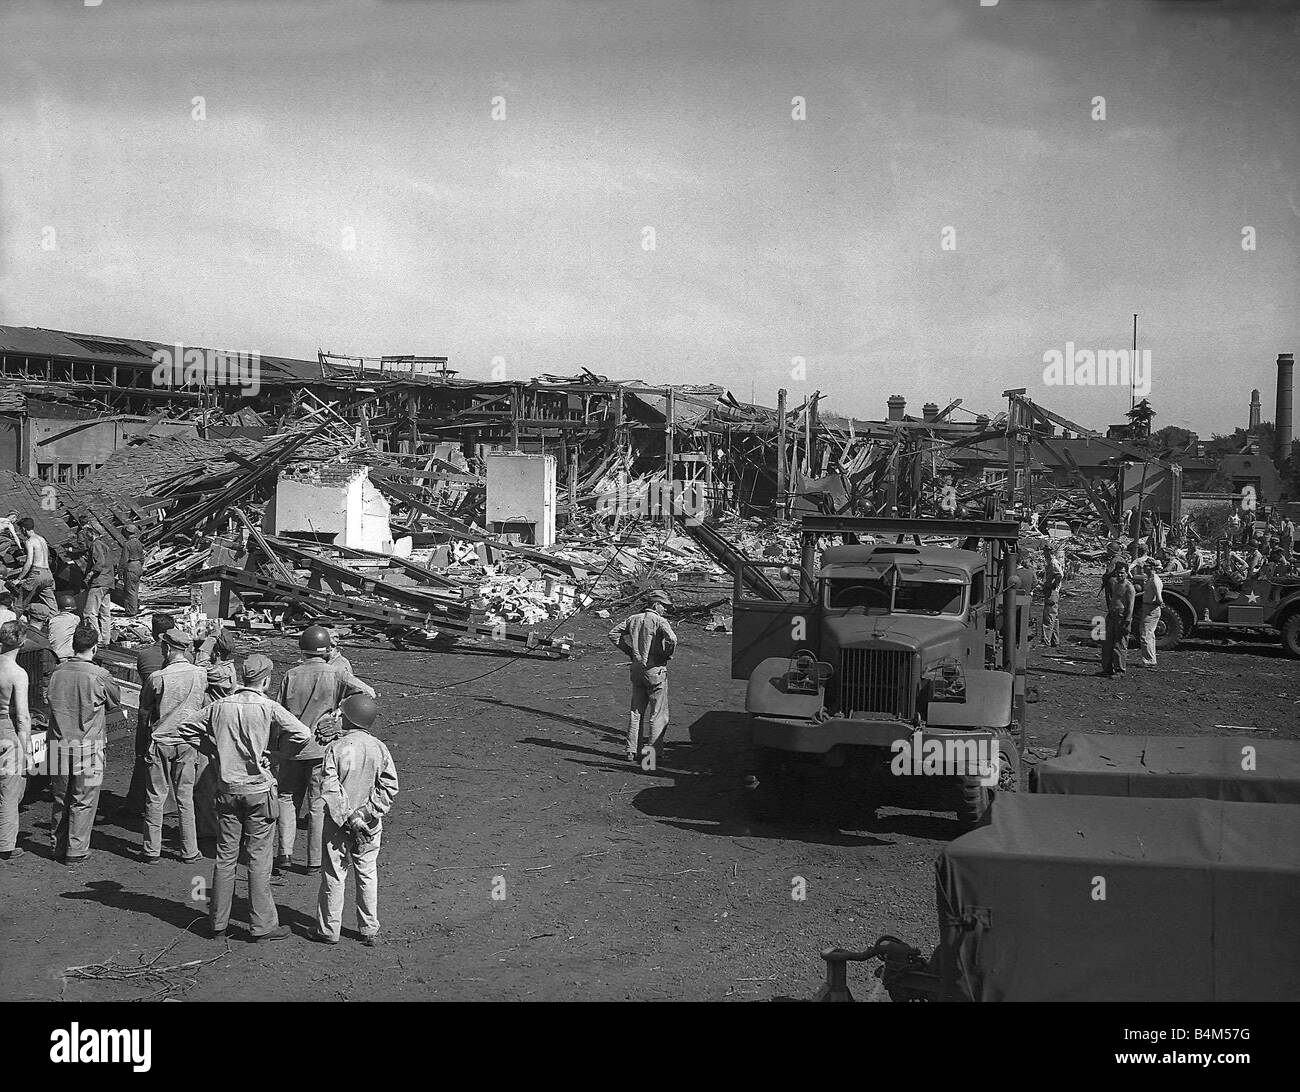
(359, 782)
(36, 577)
(309, 691)
(240, 732)
(1153, 599)
(649, 643)
(15, 737)
(170, 698)
(1119, 594)
(81, 693)
(99, 585)
(1053, 577)
(131, 563)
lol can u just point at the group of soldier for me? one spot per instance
(239, 764)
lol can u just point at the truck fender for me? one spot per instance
(767, 695)
(1179, 602)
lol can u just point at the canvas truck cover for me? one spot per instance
(1201, 901)
(1172, 766)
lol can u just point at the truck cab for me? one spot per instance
(900, 654)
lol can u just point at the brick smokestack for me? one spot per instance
(929, 411)
(1254, 411)
(897, 404)
(1282, 419)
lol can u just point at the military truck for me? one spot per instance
(1196, 601)
(902, 656)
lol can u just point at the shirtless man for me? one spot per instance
(15, 737)
(36, 578)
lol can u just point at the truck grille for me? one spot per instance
(875, 680)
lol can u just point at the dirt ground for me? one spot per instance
(618, 884)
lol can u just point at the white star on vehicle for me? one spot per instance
(1252, 597)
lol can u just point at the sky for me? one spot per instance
(950, 209)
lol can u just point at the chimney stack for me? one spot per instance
(1282, 419)
(930, 411)
(1254, 411)
(897, 403)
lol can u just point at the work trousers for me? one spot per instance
(171, 766)
(1052, 619)
(38, 587)
(205, 797)
(339, 858)
(1114, 648)
(1150, 619)
(249, 820)
(13, 783)
(131, 587)
(647, 718)
(99, 612)
(76, 799)
(298, 783)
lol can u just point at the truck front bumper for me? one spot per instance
(812, 738)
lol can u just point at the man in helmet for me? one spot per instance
(63, 625)
(358, 783)
(649, 643)
(309, 691)
(241, 732)
(100, 568)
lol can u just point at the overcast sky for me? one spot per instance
(774, 238)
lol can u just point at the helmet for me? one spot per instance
(68, 601)
(315, 639)
(359, 710)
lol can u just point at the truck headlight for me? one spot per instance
(805, 674)
(945, 681)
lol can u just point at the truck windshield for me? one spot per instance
(875, 594)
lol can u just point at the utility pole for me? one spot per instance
(780, 450)
(1132, 367)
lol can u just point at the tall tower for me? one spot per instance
(1282, 422)
(1254, 411)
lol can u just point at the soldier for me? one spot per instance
(309, 691)
(81, 693)
(99, 582)
(169, 699)
(360, 783)
(240, 732)
(649, 643)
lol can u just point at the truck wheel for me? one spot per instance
(1291, 635)
(974, 797)
(1170, 630)
(776, 794)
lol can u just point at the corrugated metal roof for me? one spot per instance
(132, 352)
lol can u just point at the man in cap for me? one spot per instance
(15, 736)
(149, 659)
(36, 578)
(240, 732)
(649, 642)
(336, 657)
(1119, 594)
(63, 625)
(359, 782)
(131, 563)
(170, 698)
(309, 691)
(81, 693)
(99, 583)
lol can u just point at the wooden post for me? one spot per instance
(669, 458)
(410, 419)
(514, 417)
(780, 450)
